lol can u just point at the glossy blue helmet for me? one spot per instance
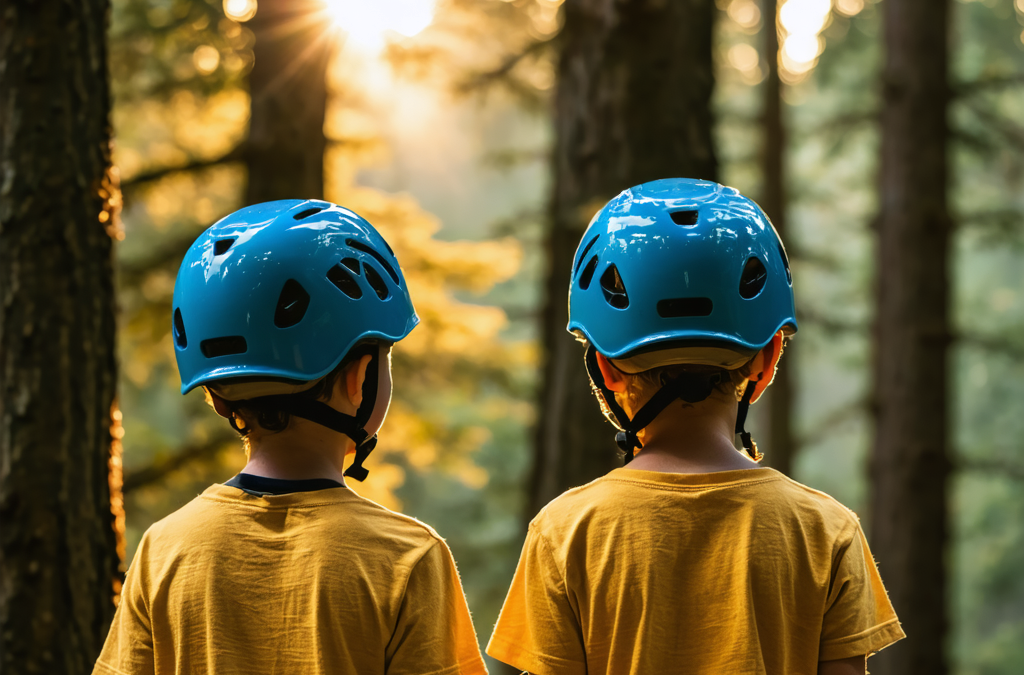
(283, 290)
(678, 262)
(679, 271)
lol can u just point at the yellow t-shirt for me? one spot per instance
(707, 574)
(302, 583)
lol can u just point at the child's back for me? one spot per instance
(730, 572)
(285, 313)
(320, 581)
(693, 559)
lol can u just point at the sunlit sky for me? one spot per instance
(367, 24)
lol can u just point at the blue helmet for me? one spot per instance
(679, 262)
(679, 271)
(283, 290)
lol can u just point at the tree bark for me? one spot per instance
(910, 464)
(288, 89)
(781, 440)
(59, 428)
(632, 105)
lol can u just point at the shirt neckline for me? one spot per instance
(712, 479)
(260, 486)
(234, 495)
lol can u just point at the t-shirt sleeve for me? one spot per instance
(128, 649)
(538, 630)
(434, 633)
(859, 619)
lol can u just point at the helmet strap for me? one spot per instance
(741, 420)
(691, 388)
(353, 426)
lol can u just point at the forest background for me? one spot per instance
(440, 126)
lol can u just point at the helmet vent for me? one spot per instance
(614, 289)
(223, 346)
(306, 213)
(785, 263)
(683, 307)
(588, 273)
(753, 279)
(377, 283)
(583, 255)
(179, 330)
(685, 218)
(352, 264)
(221, 246)
(346, 283)
(291, 304)
(360, 246)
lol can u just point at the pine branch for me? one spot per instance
(1008, 131)
(830, 324)
(837, 417)
(969, 88)
(993, 344)
(1006, 469)
(237, 154)
(845, 123)
(169, 253)
(161, 468)
(484, 79)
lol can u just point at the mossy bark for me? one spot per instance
(59, 436)
(781, 445)
(910, 464)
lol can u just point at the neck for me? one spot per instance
(693, 438)
(303, 450)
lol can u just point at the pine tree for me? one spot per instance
(60, 475)
(632, 105)
(288, 89)
(910, 465)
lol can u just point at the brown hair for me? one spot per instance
(252, 412)
(641, 386)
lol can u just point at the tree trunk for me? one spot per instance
(632, 105)
(60, 552)
(288, 88)
(781, 441)
(910, 464)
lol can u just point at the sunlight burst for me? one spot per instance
(368, 23)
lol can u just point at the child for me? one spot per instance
(285, 312)
(693, 559)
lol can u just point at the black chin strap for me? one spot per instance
(352, 426)
(692, 388)
(741, 420)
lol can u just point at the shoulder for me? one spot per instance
(379, 520)
(575, 502)
(805, 499)
(581, 512)
(816, 515)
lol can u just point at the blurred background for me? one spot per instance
(464, 130)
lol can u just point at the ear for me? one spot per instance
(219, 404)
(614, 378)
(762, 368)
(355, 375)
